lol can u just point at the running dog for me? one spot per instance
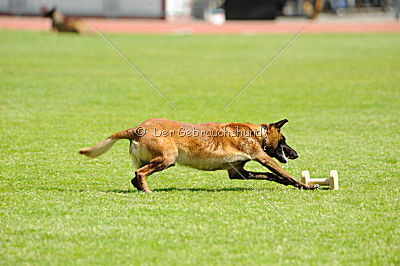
(157, 144)
(61, 23)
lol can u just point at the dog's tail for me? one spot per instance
(104, 146)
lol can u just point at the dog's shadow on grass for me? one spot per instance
(171, 189)
(227, 189)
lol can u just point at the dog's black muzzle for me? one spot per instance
(283, 152)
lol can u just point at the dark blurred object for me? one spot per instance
(280, 4)
(198, 8)
(312, 8)
(61, 23)
(251, 9)
(396, 7)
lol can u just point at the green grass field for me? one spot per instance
(60, 93)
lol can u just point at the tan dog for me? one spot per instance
(157, 144)
(61, 23)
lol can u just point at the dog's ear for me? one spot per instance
(279, 124)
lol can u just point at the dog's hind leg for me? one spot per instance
(155, 165)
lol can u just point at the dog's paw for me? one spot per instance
(135, 183)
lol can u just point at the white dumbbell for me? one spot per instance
(332, 181)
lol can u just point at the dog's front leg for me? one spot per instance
(241, 174)
(273, 166)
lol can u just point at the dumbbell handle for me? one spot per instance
(319, 181)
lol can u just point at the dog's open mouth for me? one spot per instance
(283, 154)
(288, 154)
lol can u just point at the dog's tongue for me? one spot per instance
(286, 158)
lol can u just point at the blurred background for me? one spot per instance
(214, 11)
